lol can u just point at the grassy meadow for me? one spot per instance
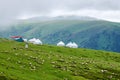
(47, 62)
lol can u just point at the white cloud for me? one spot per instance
(12, 9)
(109, 15)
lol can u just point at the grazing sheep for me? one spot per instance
(26, 45)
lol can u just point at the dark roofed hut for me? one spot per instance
(17, 38)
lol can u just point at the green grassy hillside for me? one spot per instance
(45, 62)
(93, 34)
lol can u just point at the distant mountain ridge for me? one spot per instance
(87, 33)
(45, 18)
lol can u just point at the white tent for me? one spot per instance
(32, 40)
(61, 43)
(69, 45)
(25, 40)
(35, 41)
(72, 45)
(38, 41)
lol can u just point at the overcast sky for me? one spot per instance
(22, 9)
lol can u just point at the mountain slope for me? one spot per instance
(94, 34)
(56, 63)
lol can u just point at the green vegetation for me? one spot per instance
(45, 62)
(93, 34)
